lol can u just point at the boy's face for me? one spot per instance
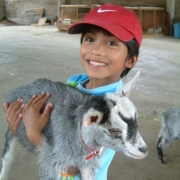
(103, 57)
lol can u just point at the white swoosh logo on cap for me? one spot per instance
(100, 10)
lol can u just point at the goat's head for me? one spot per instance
(111, 122)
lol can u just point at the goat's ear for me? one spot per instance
(92, 117)
(126, 89)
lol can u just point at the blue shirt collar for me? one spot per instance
(99, 90)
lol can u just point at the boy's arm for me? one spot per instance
(13, 114)
(33, 120)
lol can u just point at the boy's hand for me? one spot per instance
(13, 114)
(33, 120)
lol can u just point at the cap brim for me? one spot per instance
(115, 29)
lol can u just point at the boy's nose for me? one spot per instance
(95, 53)
(97, 50)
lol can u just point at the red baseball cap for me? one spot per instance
(118, 20)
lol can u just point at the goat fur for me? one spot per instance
(108, 121)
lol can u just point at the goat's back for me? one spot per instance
(172, 117)
(171, 122)
(57, 90)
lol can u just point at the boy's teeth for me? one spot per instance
(94, 63)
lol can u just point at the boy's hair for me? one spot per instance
(132, 45)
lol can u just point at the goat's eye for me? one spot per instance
(114, 131)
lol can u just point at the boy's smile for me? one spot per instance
(96, 64)
(103, 57)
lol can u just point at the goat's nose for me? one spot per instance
(143, 149)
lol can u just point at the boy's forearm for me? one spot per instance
(35, 138)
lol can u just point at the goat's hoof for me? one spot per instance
(162, 161)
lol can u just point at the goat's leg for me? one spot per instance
(47, 169)
(160, 151)
(8, 153)
(161, 144)
(46, 178)
(44, 175)
(87, 173)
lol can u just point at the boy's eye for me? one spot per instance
(111, 43)
(89, 39)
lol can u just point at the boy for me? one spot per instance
(110, 41)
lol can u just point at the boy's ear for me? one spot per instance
(92, 117)
(126, 89)
(130, 63)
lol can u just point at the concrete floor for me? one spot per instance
(28, 53)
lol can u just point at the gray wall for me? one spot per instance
(177, 11)
(14, 9)
(121, 2)
(1, 9)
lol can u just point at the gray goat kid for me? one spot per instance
(170, 130)
(80, 127)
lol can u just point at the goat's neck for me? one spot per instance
(89, 143)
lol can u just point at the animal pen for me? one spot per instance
(152, 18)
